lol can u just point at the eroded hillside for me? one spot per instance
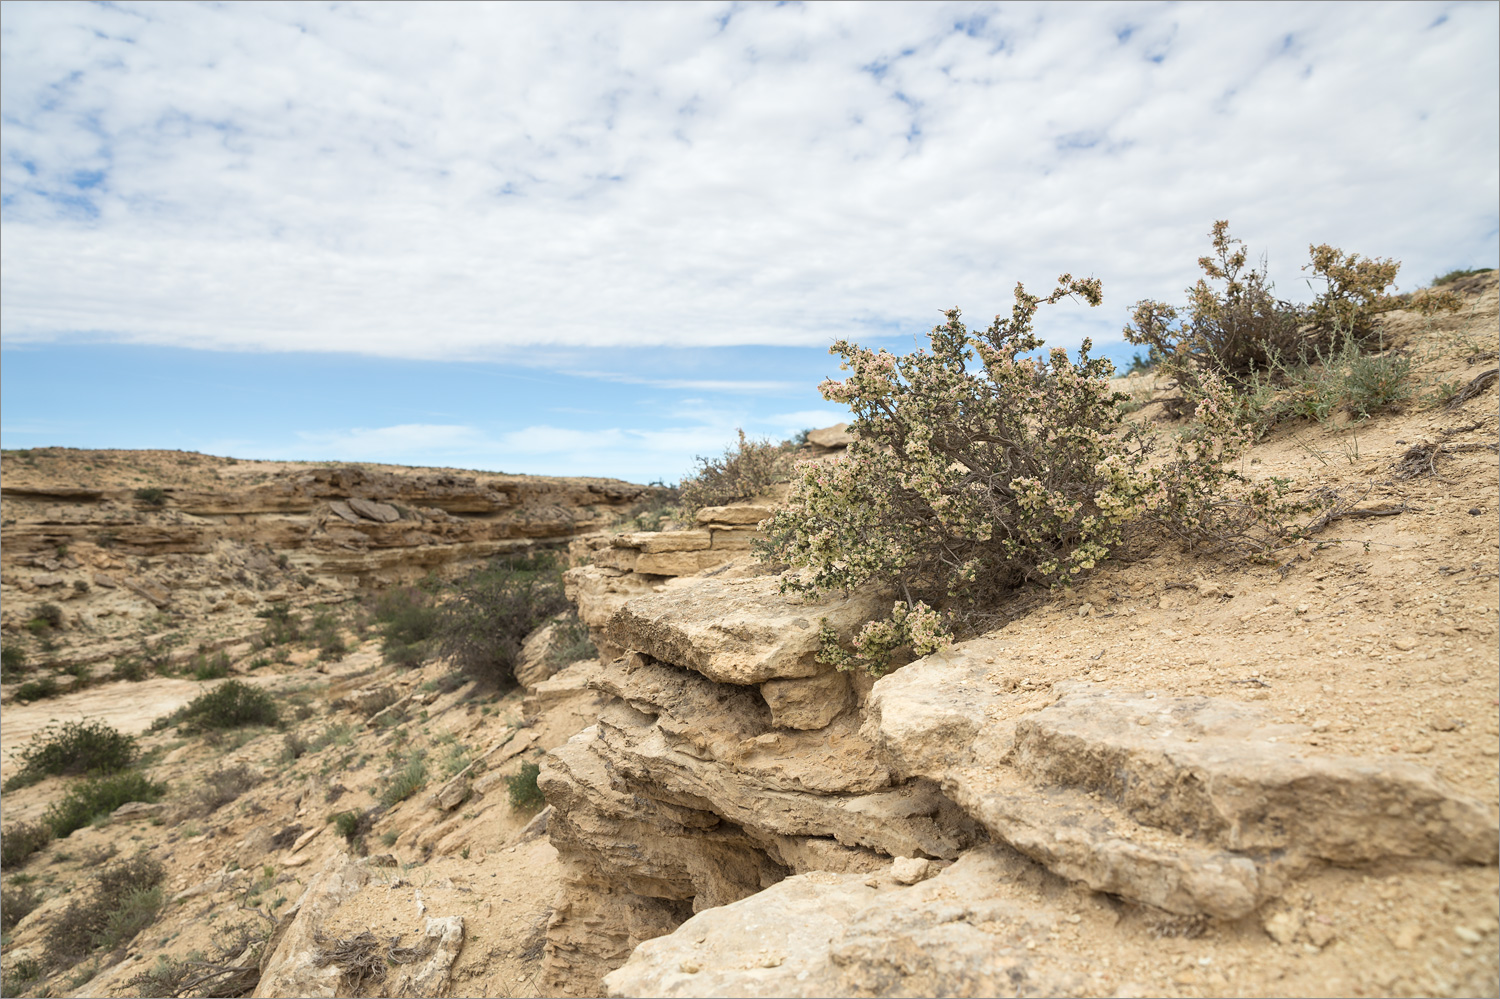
(1190, 775)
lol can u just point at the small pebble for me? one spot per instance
(1467, 935)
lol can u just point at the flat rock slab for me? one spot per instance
(824, 934)
(739, 631)
(1195, 805)
(369, 509)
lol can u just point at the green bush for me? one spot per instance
(347, 825)
(49, 613)
(206, 668)
(78, 747)
(969, 479)
(492, 611)
(20, 840)
(232, 704)
(122, 900)
(408, 620)
(38, 690)
(525, 795)
(152, 496)
(283, 625)
(99, 797)
(744, 471)
(12, 659)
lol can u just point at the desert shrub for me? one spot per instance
(1354, 293)
(1458, 275)
(1230, 331)
(745, 470)
(49, 613)
(966, 481)
(283, 625)
(131, 668)
(77, 747)
(152, 496)
(230, 968)
(656, 506)
(38, 690)
(525, 795)
(346, 824)
(16, 903)
(408, 619)
(405, 782)
(20, 840)
(80, 586)
(98, 797)
(491, 612)
(122, 900)
(206, 668)
(12, 660)
(223, 785)
(232, 704)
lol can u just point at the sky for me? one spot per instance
(597, 238)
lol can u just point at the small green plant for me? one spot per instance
(80, 587)
(388, 838)
(98, 798)
(206, 668)
(78, 747)
(20, 840)
(232, 704)
(525, 795)
(407, 781)
(346, 824)
(744, 471)
(151, 496)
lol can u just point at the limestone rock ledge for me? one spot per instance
(730, 784)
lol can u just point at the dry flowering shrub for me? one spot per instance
(1354, 293)
(977, 467)
(1231, 327)
(744, 471)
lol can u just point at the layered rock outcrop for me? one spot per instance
(790, 814)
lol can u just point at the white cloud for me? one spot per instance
(479, 180)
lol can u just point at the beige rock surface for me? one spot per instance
(738, 631)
